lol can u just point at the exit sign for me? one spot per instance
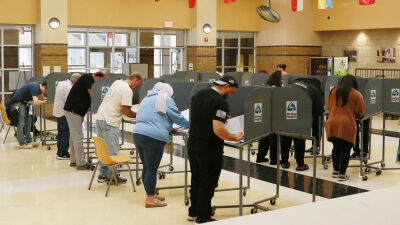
(168, 24)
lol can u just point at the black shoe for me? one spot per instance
(274, 163)
(355, 155)
(302, 168)
(285, 165)
(85, 166)
(102, 178)
(261, 160)
(63, 157)
(205, 221)
(121, 180)
(72, 164)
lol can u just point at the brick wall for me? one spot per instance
(366, 43)
(50, 55)
(296, 58)
(204, 58)
(147, 56)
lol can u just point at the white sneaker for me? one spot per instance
(343, 177)
(35, 144)
(191, 218)
(25, 146)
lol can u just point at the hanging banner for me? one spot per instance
(367, 2)
(325, 4)
(297, 5)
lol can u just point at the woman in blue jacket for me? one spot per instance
(157, 113)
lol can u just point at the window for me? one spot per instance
(15, 58)
(93, 49)
(235, 52)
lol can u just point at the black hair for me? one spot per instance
(275, 79)
(44, 84)
(100, 74)
(343, 91)
(282, 66)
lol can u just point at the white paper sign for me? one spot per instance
(291, 110)
(373, 97)
(190, 66)
(395, 95)
(46, 70)
(57, 69)
(257, 112)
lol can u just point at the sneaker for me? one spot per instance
(155, 203)
(102, 178)
(161, 198)
(63, 157)
(355, 155)
(25, 146)
(72, 164)
(261, 160)
(85, 166)
(343, 177)
(335, 174)
(191, 218)
(35, 144)
(285, 165)
(208, 220)
(302, 168)
(121, 180)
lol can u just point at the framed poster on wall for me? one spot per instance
(340, 66)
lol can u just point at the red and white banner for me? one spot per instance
(297, 5)
(229, 1)
(367, 2)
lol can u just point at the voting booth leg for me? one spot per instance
(314, 173)
(272, 200)
(185, 155)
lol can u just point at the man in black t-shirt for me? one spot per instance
(76, 107)
(208, 114)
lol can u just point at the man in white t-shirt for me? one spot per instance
(62, 91)
(116, 103)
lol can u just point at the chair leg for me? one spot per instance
(110, 181)
(5, 137)
(130, 175)
(115, 175)
(2, 126)
(94, 173)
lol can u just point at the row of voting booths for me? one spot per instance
(291, 114)
(380, 96)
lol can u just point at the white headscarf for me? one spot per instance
(161, 101)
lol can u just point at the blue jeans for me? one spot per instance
(150, 152)
(62, 136)
(110, 135)
(398, 153)
(24, 125)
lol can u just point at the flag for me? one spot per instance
(367, 2)
(297, 5)
(325, 4)
(229, 1)
(192, 3)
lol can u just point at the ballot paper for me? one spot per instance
(185, 113)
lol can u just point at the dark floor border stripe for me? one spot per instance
(299, 182)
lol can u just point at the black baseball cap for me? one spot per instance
(226, 79)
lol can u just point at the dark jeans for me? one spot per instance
(267, 143)
(340, 154)
(62, 136)
(365, 133)
(299, 149)
(150, 152)
(205, 165)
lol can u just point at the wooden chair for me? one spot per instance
(112, 162)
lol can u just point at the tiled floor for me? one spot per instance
(35, 188)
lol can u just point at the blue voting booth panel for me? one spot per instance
(99, 90)
(146, 86)
(236, 102)
(373, 97)
(209, 76)
(257, 113)
(391, 97)
(52, 80)
(182, 92)
(291, 110)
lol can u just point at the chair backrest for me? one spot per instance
(101, 149)
(4, 115)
